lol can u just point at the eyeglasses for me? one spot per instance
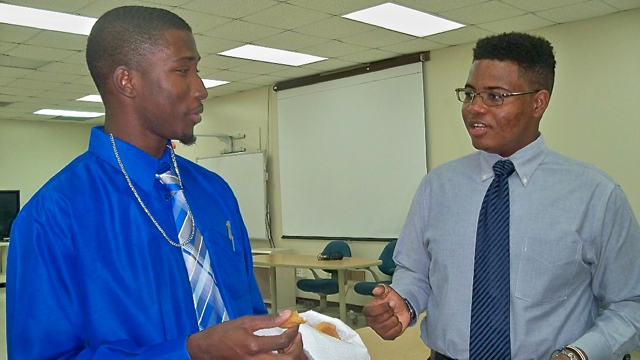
(489, 98)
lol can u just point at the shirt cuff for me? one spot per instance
(594, 345)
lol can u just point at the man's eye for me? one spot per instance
(468, 94)
(493, 96)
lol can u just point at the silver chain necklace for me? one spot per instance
(175, 165)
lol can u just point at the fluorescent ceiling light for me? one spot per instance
(91, 98)
(69, 113)
(47, 20)
(261, 53)
(402, 19)
(208, 83)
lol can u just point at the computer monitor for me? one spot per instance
(9, 208)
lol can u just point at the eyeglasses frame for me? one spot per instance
(503, 95)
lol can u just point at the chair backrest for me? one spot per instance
(336, 246)
(388, 266)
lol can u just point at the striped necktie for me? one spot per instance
(207, 300)
(490, 336)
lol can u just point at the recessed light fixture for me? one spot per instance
(402, 19)
(91, 98)
(44, 19)
(208, 83)
(68, 113)
(277, 56)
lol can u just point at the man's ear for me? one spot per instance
(123, 81)
(541, 102)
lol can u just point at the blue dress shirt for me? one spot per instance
(91, 277)
(574, 240)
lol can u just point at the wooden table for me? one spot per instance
(311, 262)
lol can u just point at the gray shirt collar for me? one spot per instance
(525, 160)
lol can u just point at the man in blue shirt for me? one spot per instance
(97, 268)
(574, 274)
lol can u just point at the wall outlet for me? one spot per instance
(300, 272)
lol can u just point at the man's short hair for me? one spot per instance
(127, 36)
(533, 54)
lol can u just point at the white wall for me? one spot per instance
(32, 152)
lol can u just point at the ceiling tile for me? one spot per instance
(168, 2)
(77, 89)
(264, 80)
(6, 80)
(337, 7)
(64, 68)
(215, 61)
(333, 48)
(209, 45)
(290, 40)
(437, 6)
(368, 56)
(39, 52)
(49, 76)
(260, 68)
(5, 46)
(463, 35)
(575, 12)
(60, 95)
(16, 34)
(84, 80)
(377, 38)
(329, 65)
(286, 16)
(335, 28)
(228, 75)
(58, 40)
(295, 72)
(199, 21)
(232, 9)
(482, 13)
(96, 8)
(6, 90)
(67, 6)
(242, 31)
(79, 58)
(518, 23)
(539, 5)
(14, 72)
(34, 84)
(413, 46)
(623, 4)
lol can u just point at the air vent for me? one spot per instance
(4, 103)
(71, 118)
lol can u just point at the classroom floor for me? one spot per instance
(355, 320)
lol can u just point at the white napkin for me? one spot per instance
(320, 346)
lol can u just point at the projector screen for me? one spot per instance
(352, 154)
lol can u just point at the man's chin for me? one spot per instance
(188, 140)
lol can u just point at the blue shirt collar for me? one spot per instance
(525, 160)
(140, 166)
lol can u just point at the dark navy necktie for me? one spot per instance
(490, 337)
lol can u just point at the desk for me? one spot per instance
(408, 346)
(3, 262)
(311, 262)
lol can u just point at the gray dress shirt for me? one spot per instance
(575, 256)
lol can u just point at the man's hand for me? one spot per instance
(387, 314)
(235, 340)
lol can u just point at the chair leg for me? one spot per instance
(323, 303)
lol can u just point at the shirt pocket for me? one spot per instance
(547, 269)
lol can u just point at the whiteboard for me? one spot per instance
(352, 154)
(246, 175)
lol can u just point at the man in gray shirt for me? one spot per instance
(573, 240)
